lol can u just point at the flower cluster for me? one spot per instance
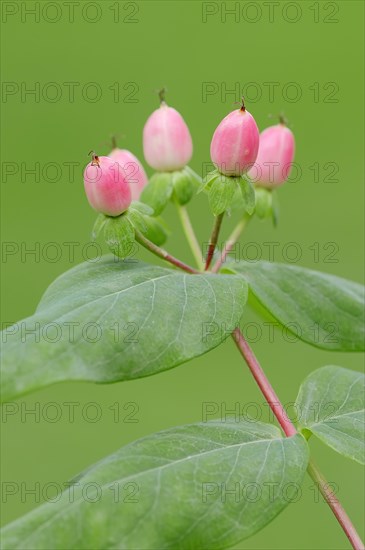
(248, 167)
(237, 149)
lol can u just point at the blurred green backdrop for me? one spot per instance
(94, 68)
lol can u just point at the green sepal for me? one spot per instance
(248, 194)
(193, 175)
(142, 208)
(275, 210)
(184, 186)
(154, 228)
(207, 182)
(119, 235)
(98, 226)
(264, 203)
(158, 191)
(221, 193)
(181, 184)
(228, 192)
(157, 230)
(137, 219)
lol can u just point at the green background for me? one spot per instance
(169, 44)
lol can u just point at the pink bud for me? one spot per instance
(235, 143)
(276, 154)
(106, 186)
(167, 143)
(133, 170)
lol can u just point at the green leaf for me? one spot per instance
(183, 186)
(158, 191)
(221, 193)
(331, 405)
(112, 320)
(119, 235)
(98, 226)
(321, 309)
(248, 194)
(196, 486)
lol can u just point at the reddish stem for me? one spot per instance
(230, 243)
(289, 430)
(213, 240)
(263, 383)
(227, 249)
(161, 253)
(336, 506)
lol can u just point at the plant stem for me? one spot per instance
(231, 241)
(263, 383)
(335, 505)
(161, 253)
(190, 234)
(289, 430)
(213, 240)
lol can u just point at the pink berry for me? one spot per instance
(106, 186)
(132, 168)
(235, 143)
(167, 143)
(275, 157)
